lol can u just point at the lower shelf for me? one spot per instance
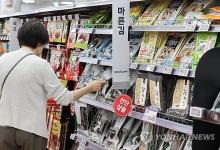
(205, 115)
(183, 128)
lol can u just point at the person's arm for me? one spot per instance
(56, 90)
(92, 87)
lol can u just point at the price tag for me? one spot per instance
(184, 72)
(122, 105)
(196, 112)
(204, 27)
(190, 27)
(134, 66)
(47, 46)
(87, 30)
(64, 17)
(70, 17)
(54, 18)
(150, 68)
(76, 16)
(58, 47)
(150, 116)
(45, 18)
(48, 18)
(167, 70)
(58, 18)
(72, 136)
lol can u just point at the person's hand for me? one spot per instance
(96, 86)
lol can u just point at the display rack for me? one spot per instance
(183, 128)
(206, 115)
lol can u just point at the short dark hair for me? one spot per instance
(32, 33)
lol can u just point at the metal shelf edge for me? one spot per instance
(187, 129)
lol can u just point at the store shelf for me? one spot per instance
(161, 69)
(205, 115)
(88, 60)
(167, 28)
(159, 121)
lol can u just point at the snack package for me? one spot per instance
(135, 12)
(205, 41)
(181, 98)
(157, 98)
(167, 52)
(169, 14)
(133, 140)
(114, 134)
(64, 33)
(134, 45)
(83, 38)
(57, 33)
(72, 34)
(141, 97)
(192, 11)
(55, 58)
(50, 29)
(149, 45)
(100, 125)
(183, 59)
(146, 136)
(152, 12)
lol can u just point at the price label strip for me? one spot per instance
(167, 70)
(151, 68)
(204, 27)
(190, 27)
(134, 66)
(184, 72)
(196, 112)
(150, 116)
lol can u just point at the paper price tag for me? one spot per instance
(63, 17)
(76, 16)
(47, 46)
(58, 18)
(150, 68)
(48, 18)
(167, 70)
(150, 116)
(72, 136)
(58, 47)
(70, 17)
(45, 19)
(184, 72)
(134, 66)
(196, 112)
(204, 27)
(87, 30)
(190, 27)
(54, 18)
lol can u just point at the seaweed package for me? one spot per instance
(50, 29)
(183, 59)
(205, 41)
(152, 12)
(99, 124)
(157, 98)
(72, 34)
(135, 12)
(181, 98)
(148, 47)
(141, 96)
(168, 15)
(64, 33)
(169, 49)
(134, 45)
(146, 137)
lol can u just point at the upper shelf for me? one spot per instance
(62, 8)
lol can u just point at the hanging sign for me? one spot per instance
(122, 105)
(121, 65)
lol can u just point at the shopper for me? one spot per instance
(26, 81)
(207, 87)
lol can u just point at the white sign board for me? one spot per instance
(14, 25)
(121, 65)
